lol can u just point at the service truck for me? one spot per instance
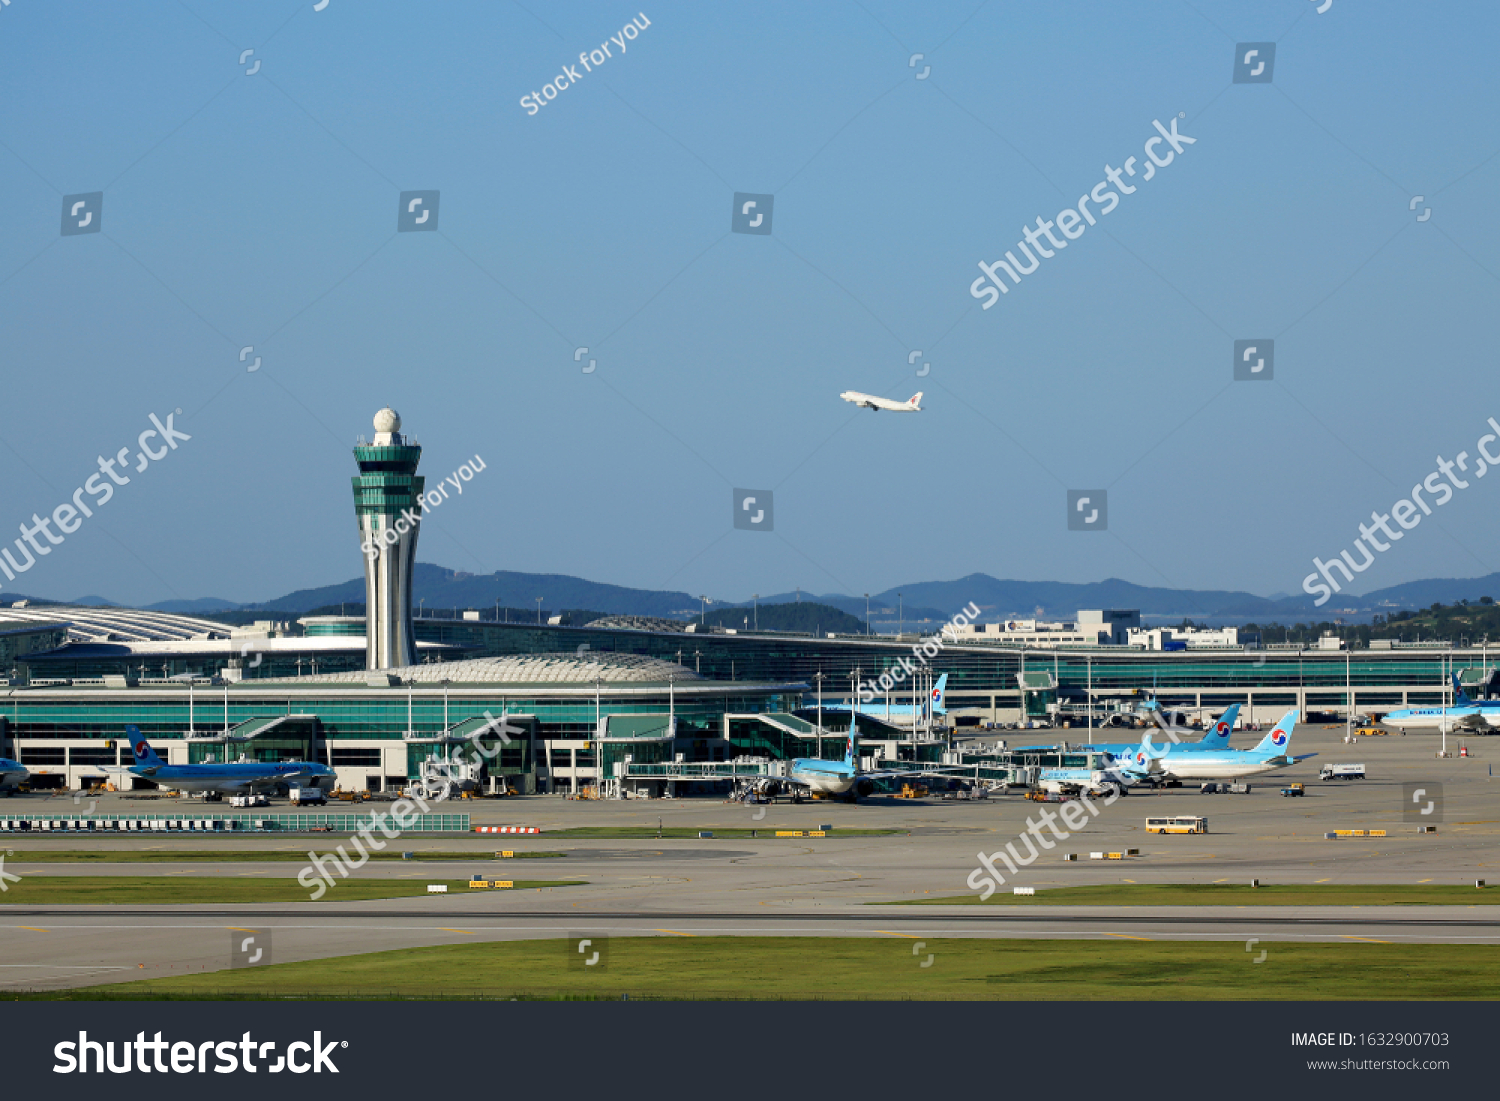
(1342, 772)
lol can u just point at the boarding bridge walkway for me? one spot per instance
(250, 728)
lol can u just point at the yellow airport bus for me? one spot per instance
(1184, 824)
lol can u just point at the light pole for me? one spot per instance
(420, 602)
(538, 611)
(1090, 659)
(867, 615)
(703, 613)
(818, 676)
(854, 708)
(757, 611)
(900, 616)
(446, 683)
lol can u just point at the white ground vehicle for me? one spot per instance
(1342, 772)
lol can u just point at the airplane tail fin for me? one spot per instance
(851, 749)
(144, 754)
(916, 401)
(1460, 697)
(1140, 761)
(1281, 735)
(1218, 734)
(939, 688)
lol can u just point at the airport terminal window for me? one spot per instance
(354, 757)
(91, 756)
(43, 755)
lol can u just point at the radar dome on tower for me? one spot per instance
(387, 425)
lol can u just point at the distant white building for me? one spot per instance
(1178, 638)
(1091, 628)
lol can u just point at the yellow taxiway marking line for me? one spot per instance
(1221, 881)
(465, 932)
(1127, 881)
(908, 936)
(1322, 880)
(675, 933)
(237, 929)
(1127, 936)
(1424, 881)
(1367, 940)
(32, 928)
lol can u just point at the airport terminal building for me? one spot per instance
(619, 699)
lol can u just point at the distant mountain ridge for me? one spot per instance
(437, 587)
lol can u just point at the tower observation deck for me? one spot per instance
(388, 508)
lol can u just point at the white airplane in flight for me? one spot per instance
(870, 401)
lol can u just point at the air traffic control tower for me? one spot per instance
(388, 506)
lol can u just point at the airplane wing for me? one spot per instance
(896, 773)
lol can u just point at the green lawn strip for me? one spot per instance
(167, 855)
(847, 968)
(634, 833)
(1227, 894)
(169, 890)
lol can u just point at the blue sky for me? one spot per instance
(260, 210)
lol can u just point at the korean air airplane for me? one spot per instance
(244, 776)
(836, 777)
(898, 714)
(1191, 763)
(1215, 738)
(12, 774)
(1120, 773)
(1445, 718)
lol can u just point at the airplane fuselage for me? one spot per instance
(236, 777)
(829, 777)
(12, 774)
(871, 401)
(1219, 765)
(1438, 718)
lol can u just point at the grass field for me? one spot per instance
(836, 968)
(1228, 894)
(641, 833)
(168, 855)
(159, 890)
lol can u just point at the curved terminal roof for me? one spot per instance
(119, 624)
(523, 669)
